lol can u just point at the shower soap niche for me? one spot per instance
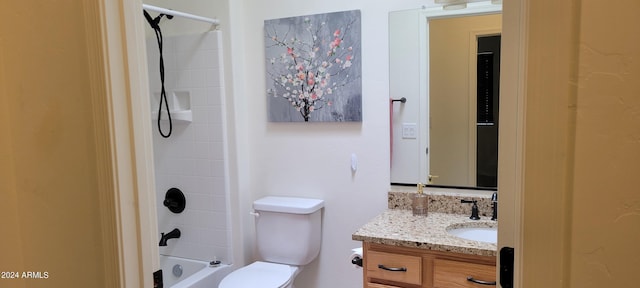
(179, 105)
(184, 116)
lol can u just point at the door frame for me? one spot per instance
(511, 134)
(536, 142)
(122, 74)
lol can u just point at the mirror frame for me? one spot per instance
(425, 14)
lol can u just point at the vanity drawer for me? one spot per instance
(454, 274)
(394, 267)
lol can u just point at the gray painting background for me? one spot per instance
(346, 101)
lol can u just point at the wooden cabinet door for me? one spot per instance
(456, 274)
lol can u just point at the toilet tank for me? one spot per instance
(288, 229)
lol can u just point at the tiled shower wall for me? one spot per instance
(193, 159)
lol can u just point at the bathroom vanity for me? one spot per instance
(411, 267)
(402, 250)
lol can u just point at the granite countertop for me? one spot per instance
(399, 227)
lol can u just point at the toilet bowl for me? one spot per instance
(279, 220)
(261, 274)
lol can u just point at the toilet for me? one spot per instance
(288, 236)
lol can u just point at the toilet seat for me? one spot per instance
(259, 274)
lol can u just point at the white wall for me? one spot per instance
(312, 160)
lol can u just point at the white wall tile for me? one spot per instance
(211, 62)
(199, 114)
(198, 79)
(213, 95)
(198, 97)
(213, 77)
(193, 158)
(217, 132)
(216, 150)
(202, 132)
(210, 43)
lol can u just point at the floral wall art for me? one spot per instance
(313, 68)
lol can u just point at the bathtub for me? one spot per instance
(195, 274)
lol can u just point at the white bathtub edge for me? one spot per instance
(205, 277)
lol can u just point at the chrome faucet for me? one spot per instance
(494, 203)
(175, 233)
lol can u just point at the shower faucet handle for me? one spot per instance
(174, 200)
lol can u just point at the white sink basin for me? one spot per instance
(482, 234)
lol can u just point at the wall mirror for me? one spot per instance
(446, 64)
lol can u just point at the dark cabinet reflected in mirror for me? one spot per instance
(461, 93)
(488, 106)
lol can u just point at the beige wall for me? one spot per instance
(605, 234)
(48, 178)
(449, 96)
(11, 250)
(581, 205)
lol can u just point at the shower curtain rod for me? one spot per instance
(180, 14)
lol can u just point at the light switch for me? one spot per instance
(409, 130)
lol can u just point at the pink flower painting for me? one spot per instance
(313, 68)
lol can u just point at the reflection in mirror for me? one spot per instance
(455, 91)
(464, 54)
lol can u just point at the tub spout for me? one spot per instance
(175, 233)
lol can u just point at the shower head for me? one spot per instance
(155, 22)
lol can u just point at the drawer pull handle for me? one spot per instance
(394, 269)
(471, 279)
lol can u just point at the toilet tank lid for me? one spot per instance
(292, 205)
